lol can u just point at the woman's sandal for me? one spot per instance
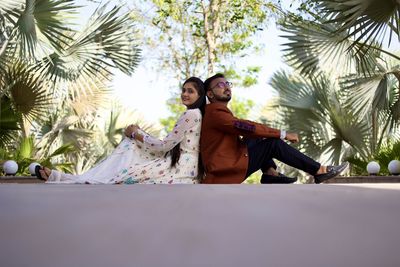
(38, 168)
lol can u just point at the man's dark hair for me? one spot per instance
(207, 82)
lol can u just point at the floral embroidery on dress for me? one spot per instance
(130, 181)
(154, 167)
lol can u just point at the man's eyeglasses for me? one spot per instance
(223, 85)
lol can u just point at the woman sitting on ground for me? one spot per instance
(141, 158)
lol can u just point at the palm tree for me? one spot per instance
(363, 20)
(344, 99)
(49, 68)
(315, 108)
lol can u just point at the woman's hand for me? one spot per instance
(133, 128)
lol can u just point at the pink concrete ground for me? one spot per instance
(199, 225)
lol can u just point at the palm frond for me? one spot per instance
(363, 92)
(62, 150)
(88, 96)
(48, 160)
(346, 126)
(106, 42)
(75, 136)
(42, 22)
(9, 11)
(7, 5)
(314, 47)
(113, 129)
(58, 131)
(51, 16)
(314, 109)
(119, 117)
(364, 19)
(372, 92)
(293, 92)
(114, 33)
(27, 92)
(333, 150)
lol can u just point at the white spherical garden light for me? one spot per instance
(373, 168)
(10, 167)
(394, 167)
(32, 167)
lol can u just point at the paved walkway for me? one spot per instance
(199, 225)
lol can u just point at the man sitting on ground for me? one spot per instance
(232, 149)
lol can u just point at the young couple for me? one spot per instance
(231, 149)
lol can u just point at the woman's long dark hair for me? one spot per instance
(200, 104)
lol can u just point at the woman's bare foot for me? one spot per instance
(45, 173)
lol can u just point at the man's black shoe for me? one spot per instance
(331, 172)
(280, 179)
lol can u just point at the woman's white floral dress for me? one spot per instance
(145, 163)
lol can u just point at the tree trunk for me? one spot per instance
(212, 29)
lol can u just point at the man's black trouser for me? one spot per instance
(262, 150)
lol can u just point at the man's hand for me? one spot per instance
(133, 128)
(292, 137)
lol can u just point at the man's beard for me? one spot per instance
(223, 98)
